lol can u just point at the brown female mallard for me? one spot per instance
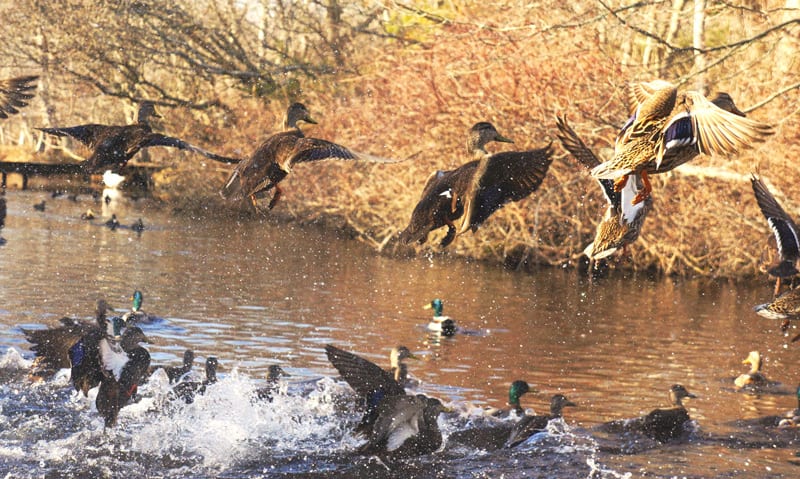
(14, 94)
(623, 220)
(114, 145)
(668, 129)
(785, 230)
(663, 424)
(273, 159)
(476, 189)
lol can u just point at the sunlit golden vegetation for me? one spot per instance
(407, 80)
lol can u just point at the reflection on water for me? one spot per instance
(258, 293)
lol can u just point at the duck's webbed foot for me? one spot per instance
(450, 236)
(645, 191)
(620, 183)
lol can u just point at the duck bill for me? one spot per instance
(570, 403)
(427, 306)
(308, 119)
(503, 139)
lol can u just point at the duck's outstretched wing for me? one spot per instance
(365, 377)
(573, 144)
(14, 94)
(90, 135)
(719, 131)
(782, 225)
(157, 139)
(509, 176)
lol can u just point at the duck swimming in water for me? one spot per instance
(445, 325)
(175, 373)
(187, 390)
(661, 425)
(529, 425)
(274, 373)
(753, 380)
(138, 316)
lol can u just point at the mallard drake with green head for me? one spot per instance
(787, 236)
(753, 380)
(114, 145)
(444, 325)
(273, 160)
(792, 417)
(14, 93)
(669, 129)
(661, 425)
(175, 373)
(187, 390)
(51, 346)
(405, 426)
(623, 220)
(529, 425)
(370, 382)
(475, 190)
(136, 315)
(274, 374)
(123, 375)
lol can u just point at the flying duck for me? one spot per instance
(669, 129)
(273, 160)
(114, 145)
(475, 190)
(784, 229)
(623, 220)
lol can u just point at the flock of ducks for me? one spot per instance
(667, 129)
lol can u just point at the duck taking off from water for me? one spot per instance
(52, 345)
(122, 375)
(273, 160)
(14, 94)
(370, 382)
(787, 235)
(114, 145)
(669, 129)
(475, 190)
(530, 425)
(623, 220)
(444, 325)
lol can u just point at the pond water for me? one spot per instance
(257, 293)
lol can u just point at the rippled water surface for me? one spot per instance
(258, 293)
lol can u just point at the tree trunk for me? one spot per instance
(698, 43)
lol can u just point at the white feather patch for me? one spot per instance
(114, 358)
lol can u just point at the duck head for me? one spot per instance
(723, 100)
(517, 389)
(558, 402)
(399, 354)
(754, 360)
(677, 393)
(211, 369)
(101, 311)
(131, 338)
(147, 110)
(137, 299)
(437, 305)
(480, 134)
(297, 112)
(114, 327)
(275, 372)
